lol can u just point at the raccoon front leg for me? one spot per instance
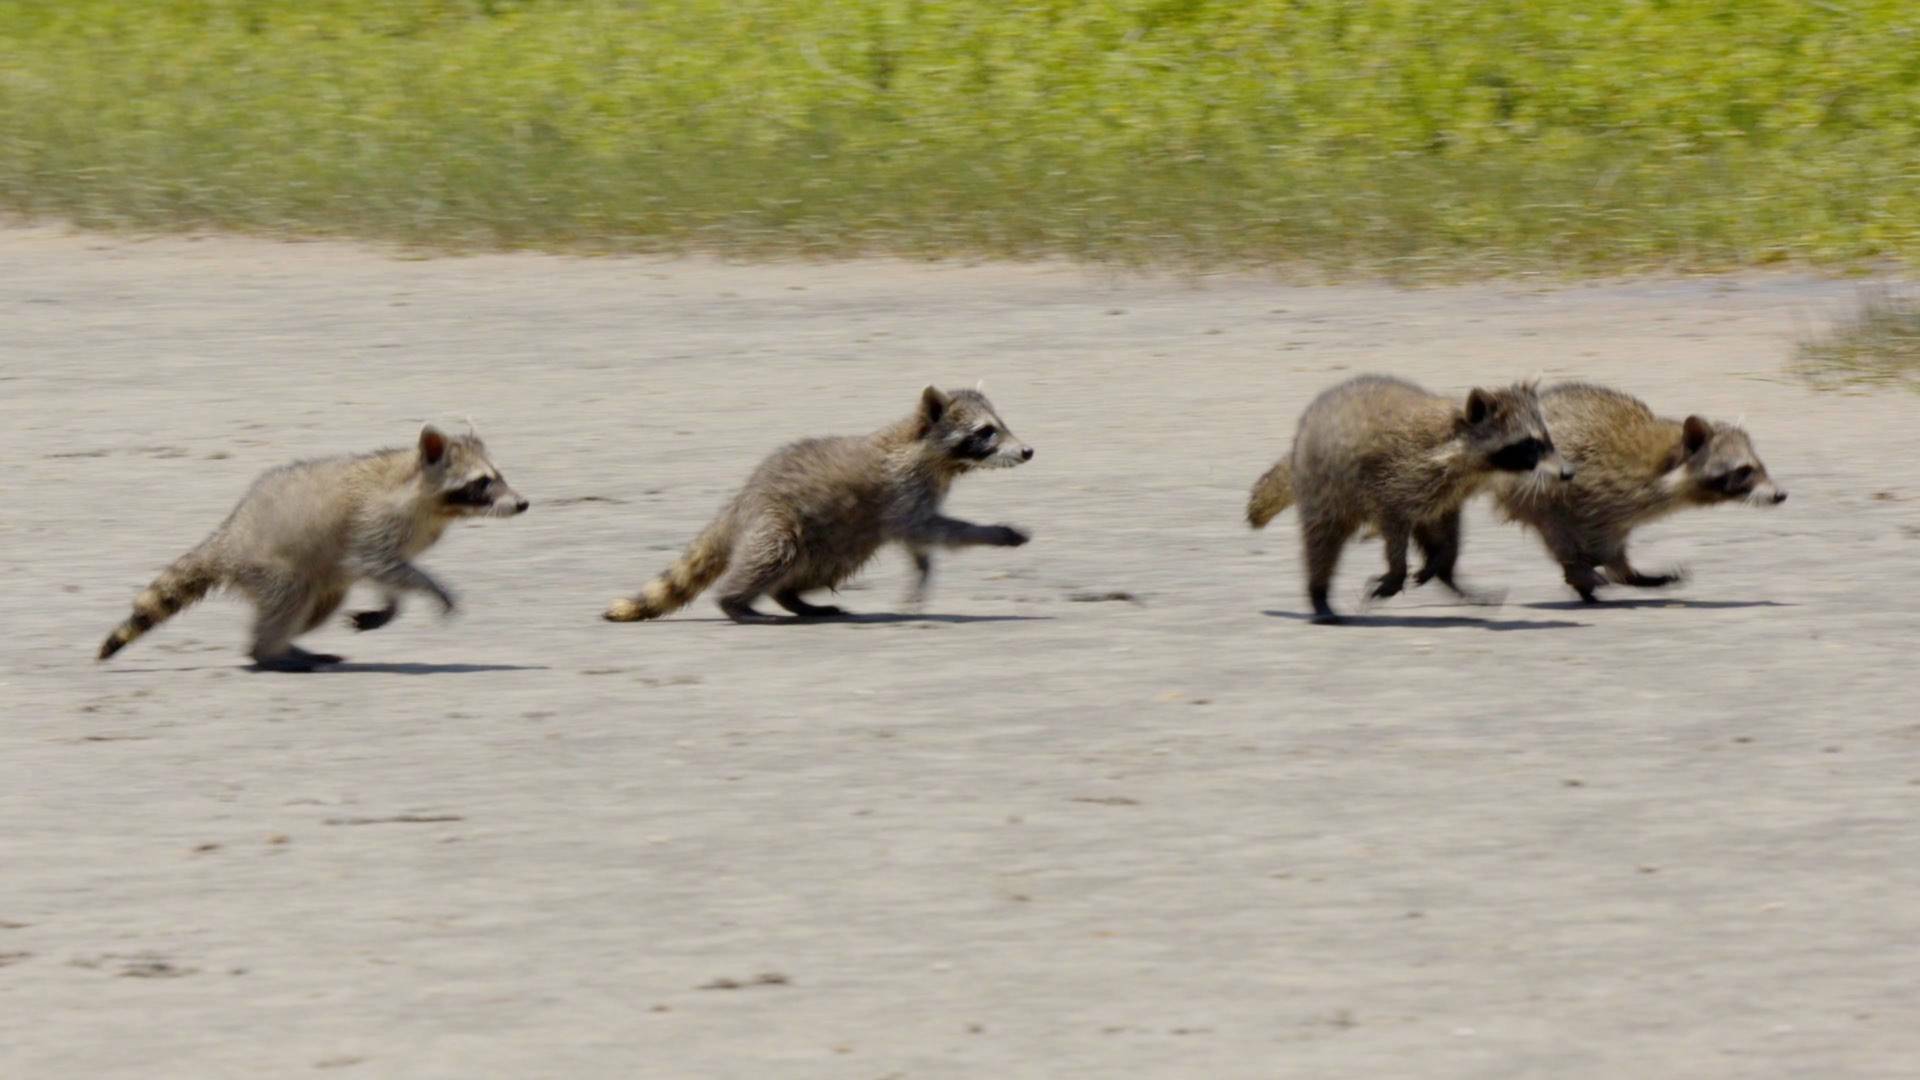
(922, 575)
(375, 618)
(400, 575)
(1396, 533)
(1623, 573)
(940, 531)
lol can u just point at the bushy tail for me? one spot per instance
(704, 560)
(1272, 493)
(191, 577)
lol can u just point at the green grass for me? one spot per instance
(1397, 136)
(1878, 345)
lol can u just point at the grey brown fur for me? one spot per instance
(305, 533)
(1633, 467)
(1381, 452)
(814, 512)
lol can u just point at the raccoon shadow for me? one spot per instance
(1434, 622)
(377, 667)
(881, 618)
(1653, 602)
(349, 667)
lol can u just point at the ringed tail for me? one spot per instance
(704, 561)
(1272, 493)
(177, 587)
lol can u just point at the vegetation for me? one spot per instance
(1411, 136)
(1879, 344)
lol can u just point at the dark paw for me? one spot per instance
(1008, 536)
(298, 664)
(1387, 586)
(1587, 595)
(372, 620)
(824, 611)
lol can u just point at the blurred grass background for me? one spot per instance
(1399, 136)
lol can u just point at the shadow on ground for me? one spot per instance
(1697, 605)
(1433, 622)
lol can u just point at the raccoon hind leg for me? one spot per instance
(789, 598)
(763, 562)
(1322, 538)
(1439, 544)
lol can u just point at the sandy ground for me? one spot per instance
(1025, 835)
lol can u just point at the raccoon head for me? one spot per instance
(965, 431)
(463, 482)
(1717, 465)
(1505, 429)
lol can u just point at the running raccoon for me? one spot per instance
(815, 511)
(1633, 467)
(1381, 452)
(306, 532)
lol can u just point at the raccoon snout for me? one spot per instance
(1026, 454)
(520, 507)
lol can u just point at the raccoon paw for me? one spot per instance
(1389, 585)
(373, 619)
(1008, 536)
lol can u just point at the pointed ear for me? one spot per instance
(1695, 433)
(1480, 405)
(433, 445)
(933, 404)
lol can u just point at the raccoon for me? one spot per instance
(1633, 467)
(305, 532)
(815, 511)
(1381, 452)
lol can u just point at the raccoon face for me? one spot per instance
(967, 432)
(1506, 428)
(464, 481)
(1721, 466)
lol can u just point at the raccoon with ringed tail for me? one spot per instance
(813, 512)
(306, 532)
(1381, 452)
(1633, 467)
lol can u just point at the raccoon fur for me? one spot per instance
(304, 533)
(1381, 453)
(1633, 467)
(815, 511)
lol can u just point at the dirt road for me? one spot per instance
(1034, 833)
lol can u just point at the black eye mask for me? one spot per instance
(977, 446)
(472, 494)
(1520, 456)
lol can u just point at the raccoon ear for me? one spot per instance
(1695, 433)
(433, 445)
(1480, 405)
(933, 404)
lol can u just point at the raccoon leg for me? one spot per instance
(1323, 540)
(790, 599)
(1396, 534)
(375, 618)
(1576, 564)
(322, 607)
(1623, 573)
(761, 563)
(1439, 543)
(281, 613)
(922, 575)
